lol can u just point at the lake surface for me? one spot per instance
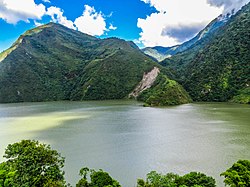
(128, 140)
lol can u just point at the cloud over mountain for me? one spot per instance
(56, 15)
(12, 11)
(179, 20)
(176, 21)
(178, 31)
(229, 5)
(91, 22)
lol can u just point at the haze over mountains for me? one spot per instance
(52, 62)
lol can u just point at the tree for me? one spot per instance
(30, 163)
(238, 175)
(192, 179)
(197, 179)
(155, 179)
(83, 182)
(6, 176)
(98, 178)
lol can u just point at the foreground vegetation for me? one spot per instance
(30, 163)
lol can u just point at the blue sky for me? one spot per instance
(146, 22)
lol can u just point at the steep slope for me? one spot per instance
(147, 82)
(217, 69)
(41, 63)
(161, 53)
(52, 62)
(163, 88)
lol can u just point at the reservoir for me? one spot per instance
(128, 140)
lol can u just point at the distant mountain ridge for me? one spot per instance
(217, 68)
(52, 63)
(160, 53)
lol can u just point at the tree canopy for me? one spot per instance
(30, 163)
(238, 175)
(98, 178)
(192, 179)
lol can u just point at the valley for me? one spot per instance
(154, 95)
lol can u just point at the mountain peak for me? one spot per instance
(30, 32)
(52, 62)
(37, 29)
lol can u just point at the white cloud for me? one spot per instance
(91, 22)
(112, 27)
(229, 5)
(179, 20)
(175, 15)
(13, 11)
(56, 15)
(46, 1)
(37, 24)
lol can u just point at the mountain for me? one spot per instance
(52, 62)
(165, 88)
(161, 53)
(218, 67)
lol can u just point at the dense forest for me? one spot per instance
(30, 163)
(165, 88)
(53, 63)
(217, 68)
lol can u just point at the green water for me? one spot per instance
(128, 140)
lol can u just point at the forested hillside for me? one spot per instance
(52, 62)
(218, 69)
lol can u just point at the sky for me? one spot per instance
(146, 22)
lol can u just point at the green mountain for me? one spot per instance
(52, 62)
(165, 88)
(218, 67)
